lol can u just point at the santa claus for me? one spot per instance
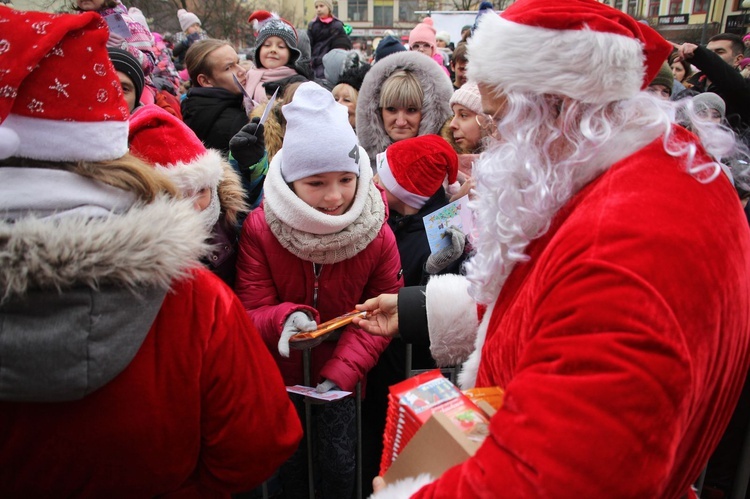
(612, 269)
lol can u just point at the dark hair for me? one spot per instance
(459, 55)
(737, 46)
(685, 65)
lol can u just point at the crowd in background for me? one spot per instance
(312, 160)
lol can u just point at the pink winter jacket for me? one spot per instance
(272, 283)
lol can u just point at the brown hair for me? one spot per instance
(459, 55)
(197, 60)
(127, 173)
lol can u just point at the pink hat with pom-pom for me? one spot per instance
(423, 32)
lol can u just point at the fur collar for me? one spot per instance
(148, 245)
(437, 89)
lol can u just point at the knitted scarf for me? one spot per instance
(255, 78)
(314, 236)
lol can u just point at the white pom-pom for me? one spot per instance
(9, 142)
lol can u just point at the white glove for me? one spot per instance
(296, 323)
(325, 386)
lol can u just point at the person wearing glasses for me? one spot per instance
(609, 304)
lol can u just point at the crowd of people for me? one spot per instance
(173, 216)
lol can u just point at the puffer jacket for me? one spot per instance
(272, 283)
(324, 37)
(215, 115)
(436, 110)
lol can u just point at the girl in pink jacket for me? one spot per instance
(317, 246)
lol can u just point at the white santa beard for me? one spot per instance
(523, 180)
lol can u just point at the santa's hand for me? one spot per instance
(446, 256)
(296, 323)
(325, 386)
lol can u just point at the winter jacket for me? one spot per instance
(127, 369)
(324, 37)
(437, 90)
(726, 82)
(140, 42)
(215, 115)
(272, 282)
(620, 343)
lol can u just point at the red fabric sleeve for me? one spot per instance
(356, 351)
(248, 425)
(581, 403)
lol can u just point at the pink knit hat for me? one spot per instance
(423, 32)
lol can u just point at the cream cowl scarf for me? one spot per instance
(315, 236)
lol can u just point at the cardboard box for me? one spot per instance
(437, 446)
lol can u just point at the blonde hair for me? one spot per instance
(401, 89)
(345, 87)
(127, 173)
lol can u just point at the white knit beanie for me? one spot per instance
(313, 114)
(468, 96)
(187, 19)
(137, 15)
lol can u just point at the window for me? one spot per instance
(407, 9)
(653, 8)
(358, 10)
(619, 4)
(383, 13)
(700, 6)
(633, 8)
(675, 7)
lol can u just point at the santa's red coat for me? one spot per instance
(622, 344)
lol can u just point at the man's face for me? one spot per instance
(460, 71)
(723, 48)
(128, 90)
(492, 105)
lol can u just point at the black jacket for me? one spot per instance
(726, 82)
(323, 38)
(215, 115)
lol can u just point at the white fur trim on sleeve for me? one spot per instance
(403, 488)
(207, 170)
(451, 319)
(586, 65)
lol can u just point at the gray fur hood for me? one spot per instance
(436, 109)
(79, 293)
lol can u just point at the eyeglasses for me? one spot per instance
(487, 123)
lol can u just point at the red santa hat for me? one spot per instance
(414, 169)
(60, 97)
(582, 49)
(164, 141)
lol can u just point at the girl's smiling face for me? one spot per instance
(331, 193)
(274, 53)
(90, 5)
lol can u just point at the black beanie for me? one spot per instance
(125, 62)
(387, 46)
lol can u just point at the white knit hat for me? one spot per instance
(187, 19)
(313, 114)
(468, 96)
(137, 15)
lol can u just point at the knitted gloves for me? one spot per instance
(248, 145)
(297, 322)
(446, 256)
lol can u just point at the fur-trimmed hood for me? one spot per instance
(436, 86)
(80, 292)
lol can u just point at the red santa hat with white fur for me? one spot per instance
(53, 107)
(414, 169)
(164, 141)
(582, 49)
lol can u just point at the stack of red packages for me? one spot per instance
(413, 401)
